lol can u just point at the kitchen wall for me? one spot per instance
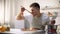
(43, 3)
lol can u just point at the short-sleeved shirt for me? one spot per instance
(35, 22)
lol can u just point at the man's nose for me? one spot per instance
(33, 12)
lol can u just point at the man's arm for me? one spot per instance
(20, 15)
(45, 19)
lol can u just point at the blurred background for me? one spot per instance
(10, 8)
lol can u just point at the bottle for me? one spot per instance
(0, 27)
(8, 28)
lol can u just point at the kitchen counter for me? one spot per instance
(19, 31)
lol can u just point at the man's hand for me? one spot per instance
(22, 9)
(33, 29)
(20, 15)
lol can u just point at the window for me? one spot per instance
(4, 11)
(1, 10)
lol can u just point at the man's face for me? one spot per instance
(34, 11)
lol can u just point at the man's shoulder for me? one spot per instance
(45, 15)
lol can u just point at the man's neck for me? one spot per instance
(39, 14)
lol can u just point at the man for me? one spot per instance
(39, 19)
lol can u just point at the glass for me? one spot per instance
(7, 26)
(0, 27)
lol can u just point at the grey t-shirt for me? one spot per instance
(36, 22)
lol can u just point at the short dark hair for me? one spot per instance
(35, 5)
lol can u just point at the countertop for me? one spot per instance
(19, 31)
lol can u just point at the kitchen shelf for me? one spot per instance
(48, 8)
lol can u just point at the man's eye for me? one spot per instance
(32, 10)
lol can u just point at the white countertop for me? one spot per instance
(19, 31)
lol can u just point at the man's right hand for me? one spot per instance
(20, 15)
(22, 9)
